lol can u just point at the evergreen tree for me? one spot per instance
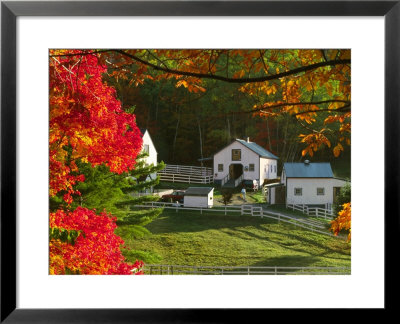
(118, 194)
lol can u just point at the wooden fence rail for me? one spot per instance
(249, 210)
(312, 211)
(186, 178)
(187, 169)
(186, 174)
(166, 269)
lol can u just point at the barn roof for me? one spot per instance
(258, 149)
(308, 170)
(198, 191)
(262, 152)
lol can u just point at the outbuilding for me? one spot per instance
(274, 193)
(151, 158)
(310, 183)
(199, 197)
(243, 160)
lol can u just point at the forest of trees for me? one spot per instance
(192, 119)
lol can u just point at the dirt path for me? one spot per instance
(236, 200)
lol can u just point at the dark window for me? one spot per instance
(220, 167)
(251, 167)
(320, 191)
(298, 191)
(236, 155)
(146, 148)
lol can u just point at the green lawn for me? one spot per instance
(211, 239)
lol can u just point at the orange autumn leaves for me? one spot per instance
(298, 82)
(343, 221)
(87, 124)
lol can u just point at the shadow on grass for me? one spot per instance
(292, 242)
(189, 222)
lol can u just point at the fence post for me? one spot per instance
(248, 270)
(276, 270)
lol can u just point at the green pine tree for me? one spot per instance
(118, 194)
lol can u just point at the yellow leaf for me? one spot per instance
(337, 149)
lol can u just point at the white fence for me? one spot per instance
(186, 174)
(166, 269)
(249, 210)
(312, 211)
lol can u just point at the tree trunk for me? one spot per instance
(176, 132)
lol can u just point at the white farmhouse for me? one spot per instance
(244, 160)
(310, 183)
(199, 197)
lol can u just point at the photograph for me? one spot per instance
(199, 161)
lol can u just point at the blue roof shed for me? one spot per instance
(308, 170)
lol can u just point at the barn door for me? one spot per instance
(231, 171)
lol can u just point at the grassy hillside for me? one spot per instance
(191, 238)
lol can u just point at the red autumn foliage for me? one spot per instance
(88, 124)
(97, 248)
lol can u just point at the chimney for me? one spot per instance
(306, 162)
(248, 139)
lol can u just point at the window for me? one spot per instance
(251, 167)
(271, 167)
(146, 148)
(220, 167)
(236, 155)
(320, 191)
(298, 191)
(275, 168)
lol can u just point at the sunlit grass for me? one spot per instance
(211, 239)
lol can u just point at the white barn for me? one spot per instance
(310, 183)
(151, 159)
(199, 197)
(246, 160)
(149, 148)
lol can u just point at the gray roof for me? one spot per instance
(198, 191)
(310, 170)
(258, 149)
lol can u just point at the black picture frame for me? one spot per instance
(10, 10)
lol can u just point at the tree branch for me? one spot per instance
(239, 80)
(218, 77)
